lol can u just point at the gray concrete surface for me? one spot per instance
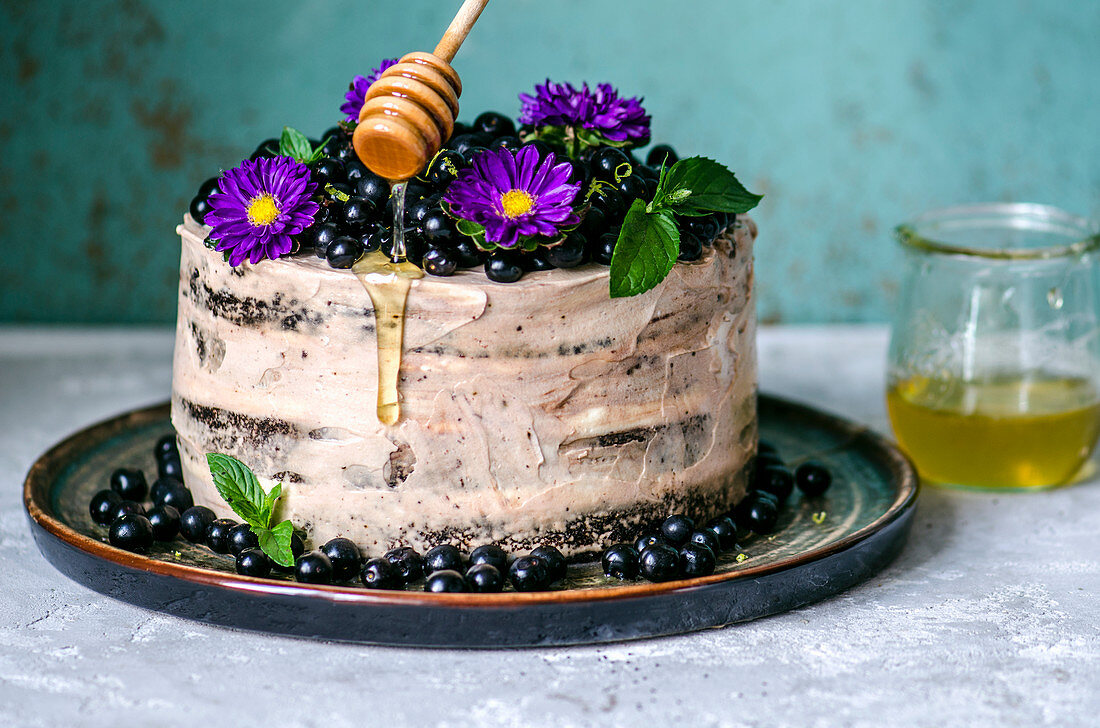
(990, 616)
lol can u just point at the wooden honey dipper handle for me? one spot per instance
(459, 28)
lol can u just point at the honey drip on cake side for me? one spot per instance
(388, 281)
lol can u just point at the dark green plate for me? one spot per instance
(820, 547)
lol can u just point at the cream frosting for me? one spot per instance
(535, 412)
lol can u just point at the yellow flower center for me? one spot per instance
(516, 202)
(262, 210)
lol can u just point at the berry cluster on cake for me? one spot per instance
(609, 384)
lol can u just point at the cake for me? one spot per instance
(535, 409)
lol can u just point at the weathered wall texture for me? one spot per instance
(849, 115)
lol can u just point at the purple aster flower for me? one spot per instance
(514, 195)
(357, 90)
(259, 205)
(602, 111)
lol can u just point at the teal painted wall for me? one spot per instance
(851, 116)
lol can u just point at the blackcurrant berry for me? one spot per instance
(242, 537)
(467, 254)
(176, 495)
(725, 530)
(512, 143)
(555, 562)
(464, 142)
(541, 147)
(195, 522)
(409, 563)
(648, 539)
(313, 568)
(355, 214)
(595, 223)
(706, 537)
(659, 562)
(494, 124)
(696, 560)
(490, 554)
(661, 153)
(503, 268)
(253, 562)
(567, 254)
(691, 247)
(460, 128)
(132, 532)
(217, 535)
(166, 448)
(206, 189)
(267, 148)
(760, 515)
(473, 153)
(381, 574)
(580, 174)
(484, 579)
(604, 249)
(439, 262)
(443, 557)
(354, 170)
(345, 557)
(606, 162)
(776, 480)
(677, 529)
(374, 188)
(319, 237)
(610, 200)
(129, 507)
(327, 171)
(620, 561)
(130, 484)
(103, 506)
(198, 208)
(343, 252)
(529, 573)
(437, 226)
(813, 478)
(165, 521)
(170, 468)
(416, 212)
(444, 168)
(631, 188)
(446, 581)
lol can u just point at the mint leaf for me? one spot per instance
(645, 251)
(318, 151)
(699, 186)
(269, 501)
(275, 542)
(242, 491)
(474, 231)
(294, 143)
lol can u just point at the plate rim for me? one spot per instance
(36, 503)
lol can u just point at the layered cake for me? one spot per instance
(555, 380)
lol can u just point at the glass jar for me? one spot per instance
(994, 371)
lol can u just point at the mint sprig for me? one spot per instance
(240, 488)
(295, 144)
(649, 241)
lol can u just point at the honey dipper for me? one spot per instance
(410, 110)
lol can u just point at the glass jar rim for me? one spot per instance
(919, 234)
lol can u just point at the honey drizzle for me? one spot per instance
(387, 280)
